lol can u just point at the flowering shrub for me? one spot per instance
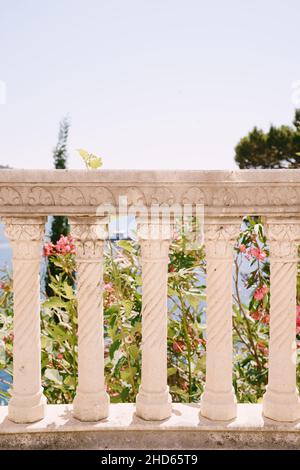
(122, 319)
(251, 313)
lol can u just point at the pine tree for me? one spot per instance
(276, 148)
(59, 225)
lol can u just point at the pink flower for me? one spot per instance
(260, 292)
(108, 287)
(60, 356)
(65, 245)
(266, 319)
(262, 347)
(257, 253)
(49, 249)
(242, 248)
(178, 346)
(255, 315)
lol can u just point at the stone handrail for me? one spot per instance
(27, 197)
(43, 192)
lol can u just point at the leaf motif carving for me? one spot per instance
(10, 197)
(71, 196)
(40, 196)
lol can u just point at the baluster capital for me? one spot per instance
(220, 237)
(283, 237)
(20, 231)
(88, 234)
(155, 229)
(24, 228)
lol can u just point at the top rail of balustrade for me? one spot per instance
(228, 193)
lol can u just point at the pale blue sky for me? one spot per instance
(148, 84)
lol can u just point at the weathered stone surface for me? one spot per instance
(91, 402)
(218, 400)
(80, 192)
(27, 404)
(154, 401)
(27, 196)
(124, 430)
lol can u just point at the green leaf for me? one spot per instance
(57, 332)
(128, 305)
(171, 371)
(113, 348)
(126, 245)
(70, 381)
(53, 302)
(69, 291)
(134, 351)
(193, 300)
(126, 374)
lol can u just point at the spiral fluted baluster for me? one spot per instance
(28, 403)
(281, 401)
(153, 400)
(91, 402)
(218, 400)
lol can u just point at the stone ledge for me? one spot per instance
(81, 192)
(124, 430)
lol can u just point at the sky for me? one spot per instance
(149, 84)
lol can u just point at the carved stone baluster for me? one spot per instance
(218, 401)
(28, 403)
(91, 402)
(281, 400)
(153, 401)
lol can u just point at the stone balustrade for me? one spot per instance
(89, 198)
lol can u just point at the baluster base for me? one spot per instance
(281, 406)
(153, 406)
(27, 408)
(91, 406)
(218, 406)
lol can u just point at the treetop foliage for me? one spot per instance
(277, 148)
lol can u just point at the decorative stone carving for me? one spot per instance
(88, 233)
(232, 193)
(227, 194)
(219, 239)
(281, 400)
(225, 197)
(153, 401)
(28, 403)
(218, 400)
(193, 195)
(71, 196)
(9, 196)
(91, 402)
(161, 195)
(40, 196)
(134, 195)
(20, 231)
(100, 196)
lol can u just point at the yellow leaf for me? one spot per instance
(94, 162)
(83, 153)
